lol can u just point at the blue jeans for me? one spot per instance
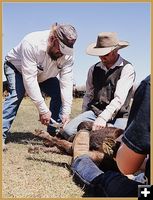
(16, 93)
(71, 128)
(108, 184)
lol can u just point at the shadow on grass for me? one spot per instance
(28, 138)
(23, 138)
(59, 164)
(89, 191)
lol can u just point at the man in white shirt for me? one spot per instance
(33, 66)
(108, 87)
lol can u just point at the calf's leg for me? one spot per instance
(54, 141)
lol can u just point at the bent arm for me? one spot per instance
(123, 86)
(29, 74)
(66, 85)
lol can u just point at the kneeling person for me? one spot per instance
(108, 87)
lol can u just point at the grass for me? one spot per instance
(36, 175)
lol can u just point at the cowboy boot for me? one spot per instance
(80, 144)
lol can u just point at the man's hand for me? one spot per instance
(99, 123)
(65, 120)
(45, 118)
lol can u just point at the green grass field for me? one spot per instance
(43, 175)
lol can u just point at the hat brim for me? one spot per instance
(92, 50)
(65, 49)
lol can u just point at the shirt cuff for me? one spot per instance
(42, 107)
(106, 115)
(66, 110)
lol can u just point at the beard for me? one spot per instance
(52, 54)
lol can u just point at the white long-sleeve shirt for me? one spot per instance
(32, 61)
(123, 86)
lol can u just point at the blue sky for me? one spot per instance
(130, 20)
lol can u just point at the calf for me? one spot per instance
(103, 144)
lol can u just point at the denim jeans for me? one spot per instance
(137, 133)
(109, 184)
(16, 93)
(71, 128)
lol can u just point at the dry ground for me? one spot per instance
(35, 175)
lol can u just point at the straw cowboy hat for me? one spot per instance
(106, 42)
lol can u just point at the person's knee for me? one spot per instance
(71, 128)
(68, 132)
(121, 123)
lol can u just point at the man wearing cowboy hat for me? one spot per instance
(32, 66)
(108, 86)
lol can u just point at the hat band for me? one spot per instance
(65, 49)
(102, 46)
